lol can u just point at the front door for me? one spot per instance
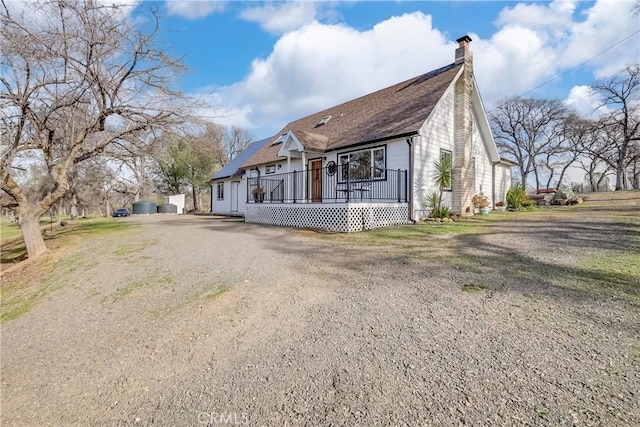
(234, 196)
(316, 180)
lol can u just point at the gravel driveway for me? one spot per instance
(189, 321)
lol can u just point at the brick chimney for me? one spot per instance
(462, 186)
(463, 49)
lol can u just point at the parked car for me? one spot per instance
(121, 212)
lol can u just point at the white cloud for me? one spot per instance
(280, 18)
(511, 62)
(319, 65)
(194, 9)
(538, 42)
(607, 22)
(556, 15)
(583, 101)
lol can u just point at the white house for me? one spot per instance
(229, 185)
(369, 162)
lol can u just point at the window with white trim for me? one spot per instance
(221, 191)
(446, 156)
(364, 165)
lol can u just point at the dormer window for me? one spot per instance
(324, 121)
(280, 139)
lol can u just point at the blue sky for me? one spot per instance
(262, 64)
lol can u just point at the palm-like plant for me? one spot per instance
(442, 178)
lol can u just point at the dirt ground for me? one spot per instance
(186, 321)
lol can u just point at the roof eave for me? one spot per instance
(373, 141)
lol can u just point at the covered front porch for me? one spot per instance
(347, 183)
(342, 198)
(339, 217)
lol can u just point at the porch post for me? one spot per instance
(289, 171)
(406, 186)
(304, 176)
(295, 182)
(348, 182)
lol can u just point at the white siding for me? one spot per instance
(221, 206)
(436, 134)
(502, 182)
(398, 154)
(242, 195)
(224, 206)
(483, 168)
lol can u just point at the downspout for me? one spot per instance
(211, 186)
(410, 179)
(493, 184)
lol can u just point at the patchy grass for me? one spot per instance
(609, 266)
(419, 232)
(20, 294)
(543, 411)
(474, 288)
(210, 292)
(14, 250)
(627, 265)
(8, 229)
(23, 287)
(149, 281)
(94, 226)
(11, 230)
(129, 248)
(635, 354)
(592, 278)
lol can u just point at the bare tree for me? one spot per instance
(621, 94)
(92, 187)
(530, 132)
(588, 139)
(134, 164)
(235, 140)
(568, 149)
(75, 81)
(633, 167)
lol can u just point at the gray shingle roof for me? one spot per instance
(395, 111)
(234, 166)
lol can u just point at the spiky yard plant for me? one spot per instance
(442, 178)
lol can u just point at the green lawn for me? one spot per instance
(13, 249)
(9, 229)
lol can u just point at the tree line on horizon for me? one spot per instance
(545, 137)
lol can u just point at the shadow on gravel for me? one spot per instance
(497, 266)
(529, 275)
(215, 224)
(588, 235)
(483, 259)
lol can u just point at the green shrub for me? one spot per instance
(517, 197)
(441, 212)
(434, 201)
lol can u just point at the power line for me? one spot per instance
(570, 69)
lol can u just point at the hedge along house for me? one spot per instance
(229, 187)
(369, 162)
